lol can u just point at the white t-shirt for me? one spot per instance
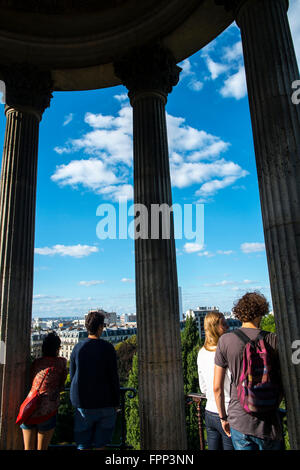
(206, 367)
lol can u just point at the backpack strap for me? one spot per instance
(262, 334)
(242, 336)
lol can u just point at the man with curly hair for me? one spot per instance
(247, 431)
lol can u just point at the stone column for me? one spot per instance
(271, 68)
(149, 74)
(27, 95)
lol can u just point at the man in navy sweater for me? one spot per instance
(95, 388)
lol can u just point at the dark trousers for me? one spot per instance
(216, 437)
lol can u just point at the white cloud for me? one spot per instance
(68, 119)
(99, 121)
(188, 73)
(226, 65)
(252, 247)
(195, 84)
(122, 97)
(234, 52)
(75, 251)
(226, 252)
(110, 137)
(91, 173)
(190, 173)
(215, 68)
(123, 191)
(186, 68)
(294, 19)
(208, 254)
(220, 284)
(125, 279)
(90, 283)
(2, 92)
(189, 148)
(211, 187)
(184, 138)
(41, 296)
(235, 86)
(192, 247)
(195, 157)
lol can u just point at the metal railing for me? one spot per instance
(200, 399)
(122, 445)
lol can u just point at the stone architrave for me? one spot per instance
(28, 93)
(149, 74)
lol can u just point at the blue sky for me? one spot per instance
(85, 159)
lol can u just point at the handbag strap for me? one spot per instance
(42, 381)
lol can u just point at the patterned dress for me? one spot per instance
(51, 372)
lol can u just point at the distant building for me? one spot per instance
(79, 322)
(36, 344)
(123, 318)
(52, 324)
(38, 324)
(128, 318)
(118, 334)
(68, 340)
(233, 323)
(110, 317)
(199, 315)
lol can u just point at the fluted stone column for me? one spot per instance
(271, 68)
(150, 74)
(27, 95)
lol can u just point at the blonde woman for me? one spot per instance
(215, 326)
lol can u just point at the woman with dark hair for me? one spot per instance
(48, 375)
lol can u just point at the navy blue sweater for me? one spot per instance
(94, 375)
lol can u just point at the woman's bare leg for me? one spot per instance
(29, 437)
(44, 439)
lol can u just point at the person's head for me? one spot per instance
(51, 345)
(214, 326)
(251, 308)
(94, 323)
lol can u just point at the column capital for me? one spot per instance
(235, 5)
(27, 88)
(148, 69)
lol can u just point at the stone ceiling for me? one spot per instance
(78, 40)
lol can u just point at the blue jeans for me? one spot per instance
(245, 442)
(94, 427)
(216, 437)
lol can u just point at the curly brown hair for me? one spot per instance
(251, 306)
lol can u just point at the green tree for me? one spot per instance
(132, 408)
(268, 323)
(64, 426)
(125, 352)
(190, 345)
